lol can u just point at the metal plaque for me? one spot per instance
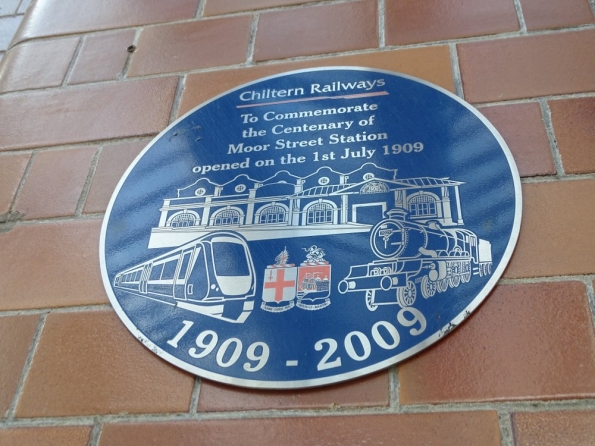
(310, 227)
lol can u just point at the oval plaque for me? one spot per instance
(310, 227)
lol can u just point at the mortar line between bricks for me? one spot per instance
(70, 68)
(555, 178)
(508, 407)
(265, 10)
(547, 279)
(592, 4)
(78, 145)
(394, 388)
(591, 299)
(252, 40)
(87, 186)
(456, 71)
(26, 367)
(551, 136)
(195, 395)
(95, 434)
(553, 97)
(506, 434)
(200, 9)
(520, 16)
(15, 198)
(381, 23)
(124, 72)
(470, 39)
(56, 310)
(316, 57)
(175, 106)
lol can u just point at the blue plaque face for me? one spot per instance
(310, 227)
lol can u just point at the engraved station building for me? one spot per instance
(323, 203)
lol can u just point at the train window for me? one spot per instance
(184, 266)
(230, 259)
(169, 269)
(156, 272)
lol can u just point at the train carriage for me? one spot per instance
(213, 275)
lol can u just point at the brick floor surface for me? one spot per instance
(84, 86)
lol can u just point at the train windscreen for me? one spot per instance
(230, 259)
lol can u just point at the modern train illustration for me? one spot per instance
(213, 275)
(416, 255)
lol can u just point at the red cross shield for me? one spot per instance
(279, 286)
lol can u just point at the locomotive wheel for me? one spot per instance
(466, 276)
(428, 288)
(442, 285)
(370, 300)
(406, 294)
(454, 280)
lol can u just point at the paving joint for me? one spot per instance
(88, 182)
(252, 40)
(551, 136)
(381, 23)
(21, 384)
(520, 16)
(506, 430)
(456, 71)
(70, 68)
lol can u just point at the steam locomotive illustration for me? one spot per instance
(213, 275)
(416, 255)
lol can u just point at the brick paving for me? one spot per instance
(78, 103)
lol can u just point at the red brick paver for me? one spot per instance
(102, 57)
(316, 30)
(113, 162)
(365, 392)
(445, 429)
(16, 334)
(51, 265)
(187, 46)
(574, 121)
(523, 129)
(86, 113)
(556, 228)
(37, 64)
(56, 17)
(45, 436)
(412, 21)
(554, 428)
(88, 363)
(12, 168)
(526, 67)
(530, 341)
(55, 182)
(541, 14)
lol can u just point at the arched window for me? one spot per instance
(184, 219)
(272, 214)
(422, 205)
(320, 213)
(226, 217)
(374, 187)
